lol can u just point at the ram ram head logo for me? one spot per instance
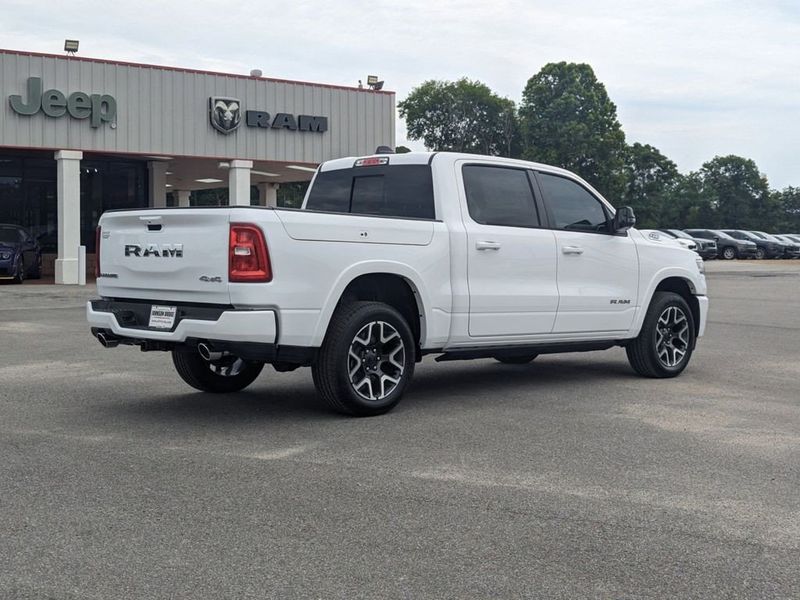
(225, 113)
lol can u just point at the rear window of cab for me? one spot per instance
(404, 191)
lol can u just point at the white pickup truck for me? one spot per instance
(390, 258)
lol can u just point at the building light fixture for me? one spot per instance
(373, 83)
(71, 46)
(208, 180)
(299, 168)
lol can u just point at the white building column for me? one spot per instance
(157, 183)
(182, 197)
(68, 186)
(268, 194)
(239, 183)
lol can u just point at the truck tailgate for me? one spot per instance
(179, 255)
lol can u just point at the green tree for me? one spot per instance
(462, 116)
(686, 204)
(650, 178)
(787, 203)
(739, 193)
(568, 120)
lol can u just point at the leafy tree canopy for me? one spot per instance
(650, 177)
(568, 120)
(462, 116)
(787, 203)
(738, 192)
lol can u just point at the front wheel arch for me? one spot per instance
(685, 290)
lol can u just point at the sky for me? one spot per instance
(695, 79)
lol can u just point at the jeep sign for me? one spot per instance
(98, 108)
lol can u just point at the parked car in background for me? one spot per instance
(660, 236)
(764, 248)
(705, 248)
(790, 249)
(793, 249)
(727, 247)
(20, 254)
(791, 237)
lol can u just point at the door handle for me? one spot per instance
(571, 249)
(487, 245)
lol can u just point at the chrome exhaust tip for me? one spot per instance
(107, 341)
(207, 353)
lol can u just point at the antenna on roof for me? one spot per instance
(384, 150)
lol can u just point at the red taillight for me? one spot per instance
(97, 236)
(248, 258)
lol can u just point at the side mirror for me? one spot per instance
(624, 219)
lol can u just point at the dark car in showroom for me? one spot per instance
(727, 247)
(20, 254)
(764, 248)
(705, 248)
(790, 249)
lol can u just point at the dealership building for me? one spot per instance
(80, 136)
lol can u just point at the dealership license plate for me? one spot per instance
(162, 317)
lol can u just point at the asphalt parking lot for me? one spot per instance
(570, 477)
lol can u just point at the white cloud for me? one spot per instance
(695, 79)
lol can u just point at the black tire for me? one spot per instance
(761, 254)
(643, 352)
(521, 359)
(20, 275)
(349, 337)
(201, 375)
(729, 253)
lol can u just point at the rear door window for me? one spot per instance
(499, 196)
(385, 190)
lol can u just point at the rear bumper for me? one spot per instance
(252, 326)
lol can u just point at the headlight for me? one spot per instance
(701, 266)
(5, 255)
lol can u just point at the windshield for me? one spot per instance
(9, 235)
(680, 234)
(766, 236)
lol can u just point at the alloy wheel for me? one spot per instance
(672, 336)
(376, 360)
